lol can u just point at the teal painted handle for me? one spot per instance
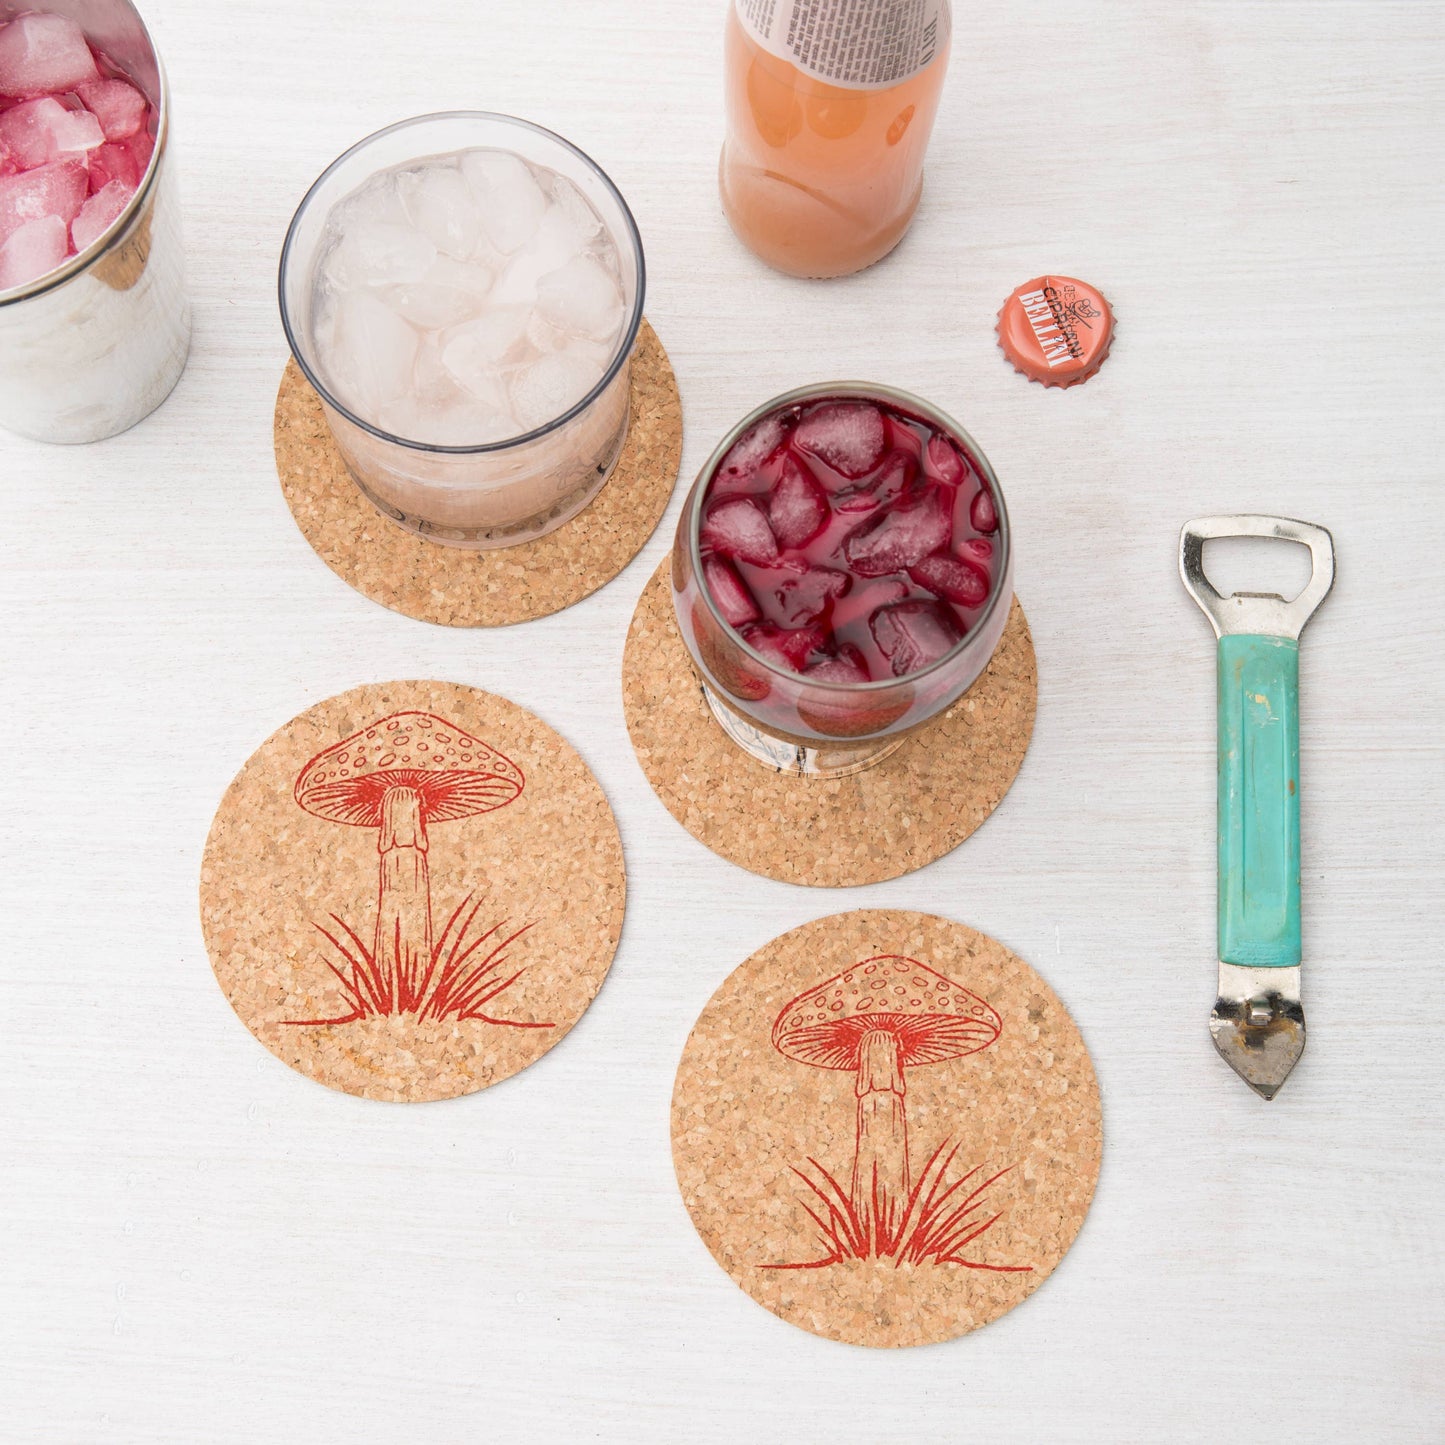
(1259, 922)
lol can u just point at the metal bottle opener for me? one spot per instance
(1258, 1024)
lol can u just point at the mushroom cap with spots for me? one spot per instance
(932, 1017)
(454, 774)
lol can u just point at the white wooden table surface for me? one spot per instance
(198, 1245)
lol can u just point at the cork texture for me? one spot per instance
(455, 586)
(979, 1163)
(412, 891)
(906, 811)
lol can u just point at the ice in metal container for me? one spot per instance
(92, 347)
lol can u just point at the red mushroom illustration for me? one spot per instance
(876, 1020)
(402, 775)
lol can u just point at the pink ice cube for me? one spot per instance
(948, 576)
(40, 131)
(738, 528)
(753, 448)
(117, 105)
(798, 508)
(124, 160)
(848, 436)
(911, 635)
(848, 666)
(99, 212)
(901, 536)
(903, 431)
(982, 512)
(112, 163)
(806, 598)
(944, 462)
(729, 591)
(54, 190)
(43, 54)
(141, 145)
(895, 477)
(32, 250)
(784, 647)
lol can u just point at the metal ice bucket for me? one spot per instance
(95, 345)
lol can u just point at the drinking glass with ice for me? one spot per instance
(842, 573)
(93, 320)
(463, 291)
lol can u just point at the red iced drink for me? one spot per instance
(75, 140)
(853, 545)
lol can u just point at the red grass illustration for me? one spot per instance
(931, 1226)
(455, 983)
(874, 1021)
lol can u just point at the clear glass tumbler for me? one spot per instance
(499, 493)
(804, 725)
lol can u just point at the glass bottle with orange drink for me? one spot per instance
(830, 104)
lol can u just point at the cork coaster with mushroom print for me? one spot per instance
(913, 807)
(412, 891)
(886, 1128)
(458, 587)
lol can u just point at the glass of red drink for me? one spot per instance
(842, 574)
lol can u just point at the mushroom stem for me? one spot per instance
(403, 907)
(880, 1165)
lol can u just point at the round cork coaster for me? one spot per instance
(886, 1128)
(458, 587)
(412, 891)
(919, 803)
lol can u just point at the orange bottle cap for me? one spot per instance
(1056, 330)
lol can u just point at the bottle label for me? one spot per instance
(861, 44)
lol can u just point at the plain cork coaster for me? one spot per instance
(916, 805)
(458, 587)
(886, 1128)
(412, 891)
